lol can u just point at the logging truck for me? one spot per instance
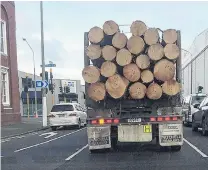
(133, 91)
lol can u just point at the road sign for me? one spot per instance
(49, 65)
(40, 83)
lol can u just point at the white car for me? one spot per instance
(67, 114)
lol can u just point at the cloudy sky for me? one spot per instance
(66, 22)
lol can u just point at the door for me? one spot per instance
(202, 107)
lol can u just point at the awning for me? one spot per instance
(31, 94)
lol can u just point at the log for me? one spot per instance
(131, 72)
(164, 70)
(143, 61)
(116, 86)
(154, 91)
(123, 57)
(110, 27)
(119, 40)
(95, 35)
(169, 36)
(156, 52)
(108, 69)
(138, 28)
(108, 52)
(171, 87)
(137, 90)
(171, 51)
(97, 91)
(151, 36)
(91, 74)
(93, 51)
(135, 45)
(147, 76)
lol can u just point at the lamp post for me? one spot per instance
(24, 39)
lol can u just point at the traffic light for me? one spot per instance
(61, 89)
(46, 75)
(67, 89)
(29, 82)
(200, 88)
(26, 85)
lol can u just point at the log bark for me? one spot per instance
(131, 72)
(171, 87)
(164, 70)
(93, 51)
(95, 35)
(147, 76)
(91, 74)
(154, 91)
(138, 28)
(123, 57)
(151, 36)
(135, 45)
(110, 27)
(170, 36)
(108, 52)
(143, 61)
(119, 40)
(108, 69)
(116, 86)
(137, 90)
(97, 91)
(156, 52)
(171, 51)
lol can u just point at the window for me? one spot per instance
(62, 108)
(3, 38)
(5, 86)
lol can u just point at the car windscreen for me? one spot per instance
(61, 108)
(197, 99)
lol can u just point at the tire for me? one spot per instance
(204, 131)
(79, 124)
(194, 127)
(53, 128)
(176, 148)
(114, 142)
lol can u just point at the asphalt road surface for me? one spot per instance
(68, 150)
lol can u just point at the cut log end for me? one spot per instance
(171, 87)
(95, 35)
(171, 51)
(151, 36)
(137, 90)
(135, 45)
(91, 74)
(96, 91)
(154, 91)
(119, 40)
(170, 36)
(110, 27)
(156, 52)
(131, 72)
(143, 61)
(147, 76)
(108, 52)
(138, 28)
(108, 69)
(93, 51)
(123, 57)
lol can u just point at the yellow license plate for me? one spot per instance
(147, 128)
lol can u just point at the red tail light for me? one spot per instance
(116, 121)
(152, 119)
(159, 119)
(175, 118)
(109, 121)
(94, 121)
(167, 118)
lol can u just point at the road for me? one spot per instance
(67, 149)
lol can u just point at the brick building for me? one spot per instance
(10, 97)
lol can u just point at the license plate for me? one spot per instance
(147, 129)
(134, 120)
(62, 115)
(99, 141)
(171, 138)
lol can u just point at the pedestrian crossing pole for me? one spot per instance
(28, 105)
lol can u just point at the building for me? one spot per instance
(10, 105)
(195, 65)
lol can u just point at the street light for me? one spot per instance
(24, 39)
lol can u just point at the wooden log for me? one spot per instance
(156, 52)
(131, 72)
(171, 51)
(119, 40)
(147, 76)
(108, 69)
(96, 91)
(108, 52)
(164, 70)
(137, 90)
(169, 36)
(116, 86)
(123, 57)
(110, 27)
(93, 51)
(135, 45)
(151, 36)
(154, 91)
(95, 35)
(171, 87)
(91, 74)
(138, 28)
(143, 61)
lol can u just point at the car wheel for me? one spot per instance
(79, 124)
(176, 148)
(194, 127)
(53, 128)
(204, 131)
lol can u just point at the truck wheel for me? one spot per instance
(204, 131)
(93, 151)
(114, 142)
(176, 148)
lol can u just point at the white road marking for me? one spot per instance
(48, 141)
(50, 134)
(77, 152)
(195, 148)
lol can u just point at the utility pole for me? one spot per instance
(44, 106)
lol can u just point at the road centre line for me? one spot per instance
(196, 149)
(48, 141)
(76, 153)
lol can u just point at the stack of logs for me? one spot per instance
(134, 68)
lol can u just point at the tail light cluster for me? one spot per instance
(51, 116)
(160, 119)
(104, 121)
(72, 114)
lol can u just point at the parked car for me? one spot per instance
(200, 117)
(188, 106)
(67, 114)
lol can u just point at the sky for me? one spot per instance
(66, 22)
